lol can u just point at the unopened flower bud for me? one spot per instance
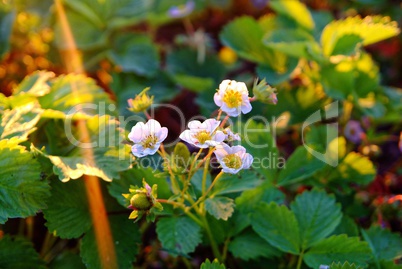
(181, 155)
(141, 201)
(264, 92)
(141, 102)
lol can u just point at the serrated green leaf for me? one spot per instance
(220, 207)
(22, 191)
(67, 214)
(36, 84)
(273, 76)
(181, 235)
(126, 238)
(136, 53)
(18, 253)
(278, 226)
(299, 166)
(346, 265)
(294, 10)
(260, 143)
(317, 214)
(370, 29)
(347, 45)
(20, 122)
(338, 248)
(74, 93)
(214, 265)
(188, 72)
(263, 193)
(249, 246)
(110, 155)
(384, 244)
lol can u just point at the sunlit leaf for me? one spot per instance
(294, 10)
(109, 155)
(214, 265)
(22, 191)
(345, 265)
(370, 29)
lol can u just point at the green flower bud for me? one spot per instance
(141, 102)
(181, 155)
(264, 92)
(141, 201)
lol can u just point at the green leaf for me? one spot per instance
(294, 10)
(384, 244)
(22, 191)
(192, 74)
(388, 265)
(293, 42)
(110, 156)
(242, 181)
(126, 238)
(180, 235)
(134, 177)
(317, 214)
(249, 246)
(370, 29)
(347, 226)
(346, 265)
(275, 77)
(260, 143)
(338, 248)
(74, 93)
(244, 35)
(263, 193)
(36, 84)
(278, 226)
(136, 53)
(214, 265)
(20, 122)
(67, 213)
(7, 15)
(299, 166)
(220, 207)
(18, 253)
(67, 260)
(347, 45)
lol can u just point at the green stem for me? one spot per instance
(202, 198)
(205, 173)
(214, 246)
(300, 260)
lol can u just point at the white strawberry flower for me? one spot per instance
(147, 137)
(232, 98)
(203, 135)
(233, 159)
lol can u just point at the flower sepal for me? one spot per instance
(143, 202)
(264, 93)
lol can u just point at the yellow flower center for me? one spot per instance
(232, 161)
(232, 98)
(149, 141)
(202, 136)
